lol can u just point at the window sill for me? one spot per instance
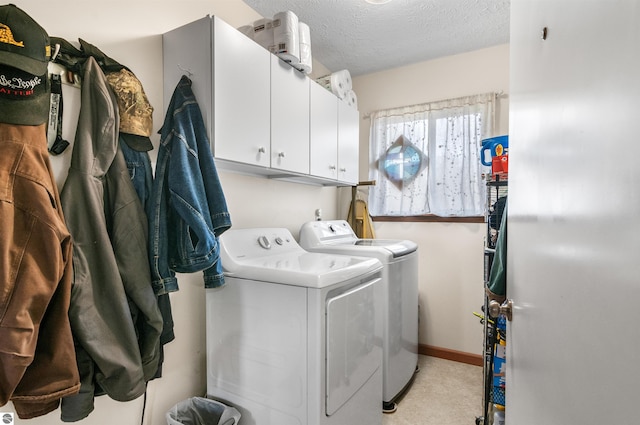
(430, 219)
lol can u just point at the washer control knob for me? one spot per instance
(279, 240)
(264, 242)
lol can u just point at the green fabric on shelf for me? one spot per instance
(497, 285)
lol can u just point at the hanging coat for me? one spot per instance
(114, 313)
(188, 209)
(37, 358)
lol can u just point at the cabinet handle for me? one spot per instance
(343, 170)
(332, 167)
(261, 149)
(281, 154)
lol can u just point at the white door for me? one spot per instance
(574, 213)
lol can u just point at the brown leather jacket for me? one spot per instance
(37, 357)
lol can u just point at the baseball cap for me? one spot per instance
(25, 51)
(24, 44)
(136, 113)
(24, 97)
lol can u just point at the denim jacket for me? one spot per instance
(140, 171)
(188, 210)
(139, 166)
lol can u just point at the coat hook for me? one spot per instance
(55, 52)
(188, 71)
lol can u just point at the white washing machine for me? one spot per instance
(400, 286)
(294, 338)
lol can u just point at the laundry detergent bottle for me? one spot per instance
(494, 146)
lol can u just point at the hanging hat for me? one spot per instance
(23, 43)
(24, 54)
(136, 112)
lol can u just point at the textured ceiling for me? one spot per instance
(365, 38)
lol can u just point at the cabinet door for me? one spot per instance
(323, 132)
(289, 118)
(241, 93)
(348, 143)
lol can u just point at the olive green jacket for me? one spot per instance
(497, 284)
(114, 312)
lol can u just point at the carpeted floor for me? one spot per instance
(444, 392)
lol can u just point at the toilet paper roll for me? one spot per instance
(306, 62)
(263, 33)
(247, 30)
(343, 78)
(338, 82)
(286, 37)
(352, 99)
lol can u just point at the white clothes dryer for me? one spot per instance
(400, 285)
(294, 338)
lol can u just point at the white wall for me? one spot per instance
(451, 259)
(130, 32)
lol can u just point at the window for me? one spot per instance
(426, 158)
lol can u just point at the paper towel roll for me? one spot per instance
(306, 62)
(338, 82)
(286, 37)
(263, 33)
(247, 30)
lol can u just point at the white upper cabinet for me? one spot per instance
(289, 118)
(324, 132)
(262, 116)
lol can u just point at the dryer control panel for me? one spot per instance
(259, 242)
(327, 232)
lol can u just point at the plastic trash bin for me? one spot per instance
(202, 411)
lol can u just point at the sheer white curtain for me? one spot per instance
(443, 176)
